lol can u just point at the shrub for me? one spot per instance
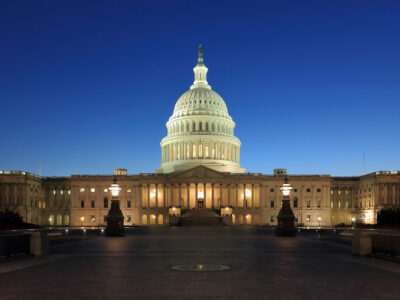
(389, 217)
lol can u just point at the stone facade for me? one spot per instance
(150, 199)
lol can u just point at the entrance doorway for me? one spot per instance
(200, 204)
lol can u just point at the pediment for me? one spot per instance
(200, 172)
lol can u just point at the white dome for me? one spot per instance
(200, 130)
(200, 100)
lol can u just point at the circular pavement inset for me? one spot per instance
(200, 268)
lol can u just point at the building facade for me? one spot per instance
(200, 169)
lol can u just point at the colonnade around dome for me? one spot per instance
(189, 150)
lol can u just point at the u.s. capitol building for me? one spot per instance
(200, 171)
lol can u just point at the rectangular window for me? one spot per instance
(319, 204)
(54, 192)
(128, 218)
(62, 192)
(272, 203)
(92, 204)
(308, 190)
(308, 218)
(82, 190)
(105, 219)
(105, 190)
(272, 190)
(129, 190)
(295, 203)
(272, 219)
(92, 190)
(129, 203)
(92, 219)
(82, 204)
(105, 202)
(308, 203)
(69, 192)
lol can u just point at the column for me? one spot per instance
(252, 196)
(220, 195)
(157, 196)
(164, 195)
(180, 196)
(171, 193)
(188, 195)
(205, 195)
(212, 196)
(244, 196)
(236, 195)
(195, 196)
(148, 195)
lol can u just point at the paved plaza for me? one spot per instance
(154, 263)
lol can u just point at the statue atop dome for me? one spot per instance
(200, 60)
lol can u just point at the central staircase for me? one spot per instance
(200, 217)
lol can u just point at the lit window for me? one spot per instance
(69, 192)
(92, 190)
(62, 192)
(308, 218)
(54, 192)
(308, 203)
(82, 190)
(92, 219)
(331, 192)
(272, 219)
(129, 190)
(128, 218)
(105, 190)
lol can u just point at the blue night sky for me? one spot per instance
(89, 85)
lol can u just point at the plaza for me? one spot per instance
(149, 262)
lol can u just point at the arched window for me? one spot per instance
(152, 219)
(51, 220)
(160, 220)
(144, 219)
(59, 220)
(66, 220)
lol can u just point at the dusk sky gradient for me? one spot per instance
(89, 85)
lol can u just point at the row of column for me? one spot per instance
(248, 195)
(196, 150)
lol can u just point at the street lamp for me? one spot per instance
(115, 218)
(285, 217)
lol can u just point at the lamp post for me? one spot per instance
(115, 218)
(285, 217)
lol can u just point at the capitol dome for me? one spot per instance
(200, 130)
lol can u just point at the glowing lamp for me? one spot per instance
(286, 187)
(82, 219)
(115, 188)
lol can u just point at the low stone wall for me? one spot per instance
(372, 241)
